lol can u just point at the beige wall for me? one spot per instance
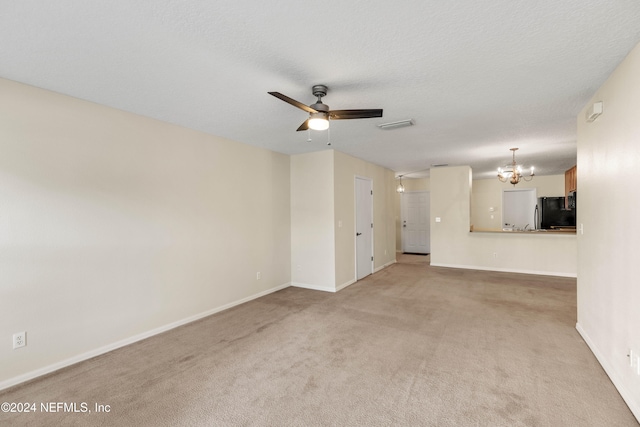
(312, 221)
(346, 170)
(452, 245)
(487, 193)
(323, 218)
(608, 206)
(114, 227)
(451, 202)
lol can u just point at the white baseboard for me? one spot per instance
(506, 270)
(626, 394)
(313, 287)
(344, 285)
(139, 337)
(351, 282)
(385, 266)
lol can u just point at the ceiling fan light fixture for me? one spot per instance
(318, 121)
(319, 112)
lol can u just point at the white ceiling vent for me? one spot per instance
(395, 125)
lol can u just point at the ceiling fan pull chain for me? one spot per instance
(308, 135)
(329, 136)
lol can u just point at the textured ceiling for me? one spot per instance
(477, 77)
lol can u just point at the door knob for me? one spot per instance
(357, 234)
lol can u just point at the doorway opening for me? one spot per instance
(416, 228)
(518, 209)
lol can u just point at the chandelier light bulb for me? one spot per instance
(400, 187)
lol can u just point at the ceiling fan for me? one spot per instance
(319, 113)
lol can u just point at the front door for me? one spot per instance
(364, 227)
(416, 228)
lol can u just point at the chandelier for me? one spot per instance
(513, 173)
(400, 187)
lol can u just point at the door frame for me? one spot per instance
(355, 214)
(402, 217)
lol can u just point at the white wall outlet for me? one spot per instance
(19, 339)
(438, 219)
(495, 254)
(258, 275)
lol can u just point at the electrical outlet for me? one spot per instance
(19, 339)
(258, 275)
(495, 254)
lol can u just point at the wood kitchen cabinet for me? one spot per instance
(570, 183)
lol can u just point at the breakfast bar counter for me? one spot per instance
(553, 231)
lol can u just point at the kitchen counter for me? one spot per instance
(554, 231)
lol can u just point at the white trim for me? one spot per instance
(113, 346)
(344, 285)
(508, 270)
(385, 266)
(624, 392)
(403, 212)
(355, 221)
(313, 287)
(339, 287)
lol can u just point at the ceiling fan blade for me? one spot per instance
(354, 114)
(293, 102)
(304, 126)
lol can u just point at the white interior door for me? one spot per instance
(416, 228)
(364, 227)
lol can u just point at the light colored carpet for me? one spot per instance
(411, 345)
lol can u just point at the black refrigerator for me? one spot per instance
(550, 213)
